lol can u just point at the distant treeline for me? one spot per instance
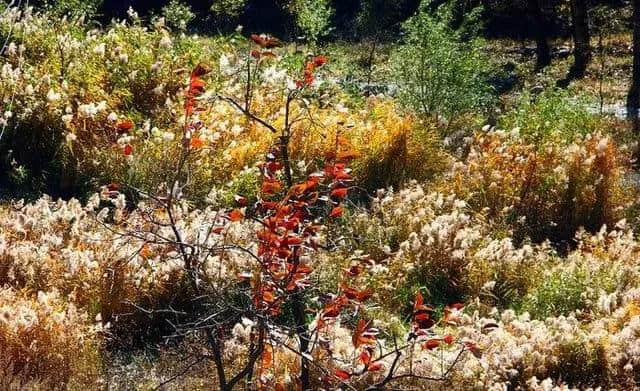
(501, 18)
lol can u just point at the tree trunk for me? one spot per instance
(582, 48)
(633, 98)
(540, 30)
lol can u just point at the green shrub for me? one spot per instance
(72, 7)
(574, 287)
(559, 294)
(555, 115)
(438, 74)
(178, 14)
(130, 71)
(227, 10)
(313, 18)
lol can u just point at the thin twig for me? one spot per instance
(181, 373)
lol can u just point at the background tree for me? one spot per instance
(376, 19)
(581, 38)
(540, 30)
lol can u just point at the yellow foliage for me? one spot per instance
(544, 191)
(46, 339)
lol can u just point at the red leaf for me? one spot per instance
(236, 215)
(422, 313)
(365, 357)
(336, 212)
(268, 205)
(113, 187)
(319, 61)
(200, 70)
(196, 143)
(418, 301)
(197, 83)
(268, 296)
(341, 374)
(340, 192)
(473, 348)
(421, 317)
(128, 150)
(376, 367)
(357, 295)
(419, 305)
(188, 106)
(423, 320)
(271, 186)
(299, 189)
(354, 270)
(309, 79)
(448, 339)
(125, 125)
(267, 357)
(332, 311)
(292, 240)
(362, 335)
(364, 295)
(273, 166)
(257, 39)
(431, 344)
(266, 41)
(309, 67)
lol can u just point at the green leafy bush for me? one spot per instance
(576, 285)
(72, 7)
(559, 294)
(438, 74)
(68, 68)
(227, 10)
(556, 115)
(178, 14)
(313, 18)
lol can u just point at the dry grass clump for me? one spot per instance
(545, 191)
(431, 240)
(47, 341)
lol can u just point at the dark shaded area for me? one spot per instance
(268, 16)
(33, 163)
(263, 15)
(505, 79)
(501, 18)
